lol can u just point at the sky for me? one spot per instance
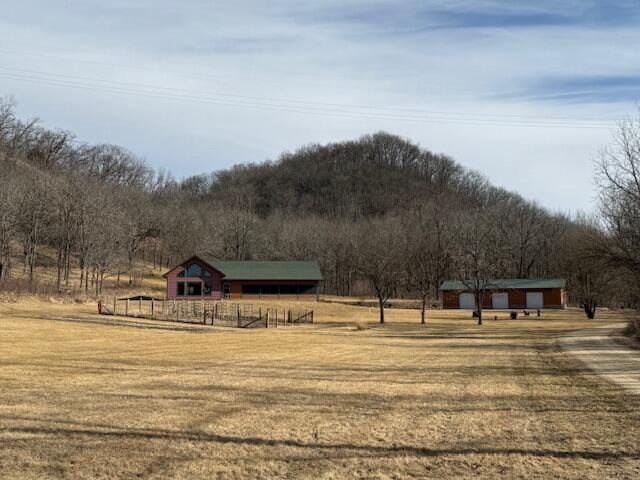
(525, 92)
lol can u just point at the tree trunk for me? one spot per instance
(479, 298)
(58, 277)
(67, 265)
(589, 307)
(32, 262)
(81, 272)
(155, 248)
(423, 319)
(381, 301)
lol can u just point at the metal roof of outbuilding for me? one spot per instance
(508, 284)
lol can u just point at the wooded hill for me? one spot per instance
(371, 176)
(378, 213)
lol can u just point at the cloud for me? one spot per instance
(588, 89)
(421, 16)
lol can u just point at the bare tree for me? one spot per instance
(9, 194)
(115, 165)
(236, 225)
(34, 213)
(140, 222)
(480, 257)
(427, 246)
(592, 280)
(49, 149)
(379, 257)
(64, 225)
(7, 119)
(527, 230)
(618, 178)
(110, 243)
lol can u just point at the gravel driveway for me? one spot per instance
(605, 352)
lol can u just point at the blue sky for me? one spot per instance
(525, 92)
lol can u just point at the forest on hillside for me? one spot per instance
(382, 216)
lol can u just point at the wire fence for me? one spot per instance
(220, 313)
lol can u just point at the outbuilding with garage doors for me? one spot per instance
(532, 294)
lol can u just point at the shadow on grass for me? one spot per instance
(104, 431)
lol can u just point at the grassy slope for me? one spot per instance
(147, 279)
(449, 400)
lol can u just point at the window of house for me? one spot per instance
(208, 288)
(194, 289)
(180, 291)
(194, 270)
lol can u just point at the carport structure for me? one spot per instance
(505, 294)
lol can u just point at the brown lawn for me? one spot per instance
(446, 400)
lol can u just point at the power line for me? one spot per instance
(483, 115)
(140, 66)
(292, 106)
(190, 75)
(150, 68)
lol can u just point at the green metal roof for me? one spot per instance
(509, 284)
(268, 270)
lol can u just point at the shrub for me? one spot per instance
(361, 325)
(633, 328)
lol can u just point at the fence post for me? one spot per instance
(115, 304)
(177, 312)
(311, 316)
(140, 305)
(238, 310)
(152, 307)
(126, 308)
(163, 310)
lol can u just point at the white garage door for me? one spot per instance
(500, 300)
(535, 300)
(467, 301)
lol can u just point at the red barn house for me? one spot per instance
(533, 294)
(197, 279)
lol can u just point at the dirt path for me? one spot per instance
(599, 350)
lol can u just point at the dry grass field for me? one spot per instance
(84, 397)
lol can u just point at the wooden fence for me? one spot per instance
(222, 312)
